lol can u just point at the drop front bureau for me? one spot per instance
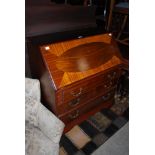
(78, 77)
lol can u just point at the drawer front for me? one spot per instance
(71, 92)
(86, 97)
(76, 102)
(87, 107)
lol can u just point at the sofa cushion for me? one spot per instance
(43, 129)
(37, 143)
(32, 89)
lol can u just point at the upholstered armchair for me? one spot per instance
(43, 129)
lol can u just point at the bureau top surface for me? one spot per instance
(74, 60)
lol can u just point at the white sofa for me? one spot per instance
(43, 129)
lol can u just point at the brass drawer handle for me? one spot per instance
(74, 102)
(73, 116)
(77, 94)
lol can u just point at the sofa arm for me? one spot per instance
(49, 124)
(38, 115)
(32, 89)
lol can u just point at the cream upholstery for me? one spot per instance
(43, 129)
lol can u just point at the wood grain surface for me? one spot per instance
(74, 60)
(78, 77)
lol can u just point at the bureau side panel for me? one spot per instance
(39, 71)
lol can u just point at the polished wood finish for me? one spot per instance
(87, 115)
(53, 53)
(78, 77)
(84, 86)
(85, 57)
(88, 106)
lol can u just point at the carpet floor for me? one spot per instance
(85, 138)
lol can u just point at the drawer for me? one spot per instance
(86, 107)
(86, 97)
(76, 102)
(76, 90)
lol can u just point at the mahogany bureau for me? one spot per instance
(78, 77)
